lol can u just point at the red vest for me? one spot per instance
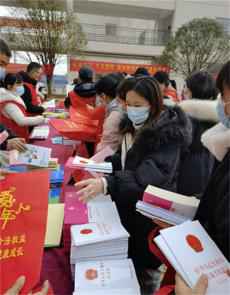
(172, 93)
(79, 102)
(36, 100)
(19, 131)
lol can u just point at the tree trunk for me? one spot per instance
(49, 86)
(49, 70)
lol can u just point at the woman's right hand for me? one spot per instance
(20, 282)
(181, 287)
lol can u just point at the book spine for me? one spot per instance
(157, 201)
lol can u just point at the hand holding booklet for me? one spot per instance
(192, 253)
(167, 206)
(34, 156)
(90, 165)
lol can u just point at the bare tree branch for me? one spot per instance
(47, 31)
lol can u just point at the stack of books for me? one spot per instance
(57, 115)
(192, 253)
(106, 277)
(167, 206)
(106, 240)
(40, 132)
(91, 165)
(64, 141)
(78, 213)
(53, 164)
(56, 182)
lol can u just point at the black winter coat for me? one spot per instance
(214, 209)
(197, 164)
(153, 159)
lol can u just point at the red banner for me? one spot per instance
(102, 67)
(23, 215)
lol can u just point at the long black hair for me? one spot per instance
(202, 86)
(223, 79)
(148, 88)
(11, 79)
(108, 84)
(125, 86)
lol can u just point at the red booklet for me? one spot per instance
(23, 216)
(82, 118)
(90, 115)
(76, 130)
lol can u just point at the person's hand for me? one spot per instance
(16, 144)
(89, 189)
(181, 287)
(18, 285)
(161, 224)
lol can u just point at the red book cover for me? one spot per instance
(75, 130)
(82, 118)
(76, 212)
(92, 115)
(23, 217)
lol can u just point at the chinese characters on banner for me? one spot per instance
(23, 215)
(107, 67)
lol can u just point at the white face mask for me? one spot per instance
(20, 90)
(138, 115)
(2, 73)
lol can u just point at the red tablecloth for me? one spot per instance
(56, 269)
(56, 263)
(62, 152)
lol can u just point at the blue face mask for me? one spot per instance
(224, 119)
(2, 73)
(20, 90)
(138, 115)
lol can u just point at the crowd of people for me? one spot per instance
(178, 143)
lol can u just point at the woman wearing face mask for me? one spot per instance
(106, 89)
(214, 209)
(154, 138)
(200, 104)
(13, 109)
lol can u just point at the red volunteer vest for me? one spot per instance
(36, 100)
(172, 93)
(19, 131)
(79, 102)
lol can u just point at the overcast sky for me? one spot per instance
(60, 69)
(4, 11)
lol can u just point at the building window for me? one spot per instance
(225, 22)
(110, 29)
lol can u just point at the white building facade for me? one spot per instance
(136, 31)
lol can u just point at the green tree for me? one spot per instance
(197, 45)
(49, 31)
